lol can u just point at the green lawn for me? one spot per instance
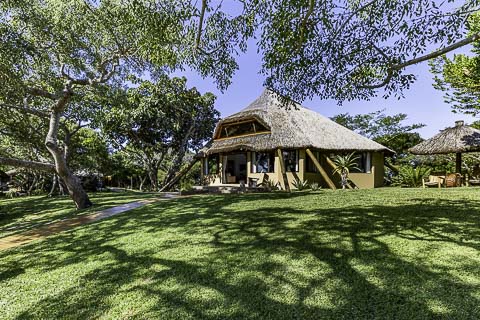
(362, 254)
(20, 214)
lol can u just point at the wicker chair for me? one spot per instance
(453, 180)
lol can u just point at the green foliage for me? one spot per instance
(345, 49)
(344, 163)
(12, 193)
(459, 77)
(301, 184)
(270, 185)
(384, 129)
(315, 186)
(156, 123)
(411, 177)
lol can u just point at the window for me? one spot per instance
(211, 164)
(263, 162)
(290, 158)
(242, 128)
(364, 162)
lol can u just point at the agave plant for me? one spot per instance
(315, 186)
(344, 164)
(301, 185)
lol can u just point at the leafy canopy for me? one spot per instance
(459, 77)
(389, 131)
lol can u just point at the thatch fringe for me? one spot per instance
(457, 139)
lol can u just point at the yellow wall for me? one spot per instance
(361, 180)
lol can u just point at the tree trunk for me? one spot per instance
(75, 189)
(54, 185)
(142, 181)
(34, 182)
(153, 176)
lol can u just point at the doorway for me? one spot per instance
(235, 168)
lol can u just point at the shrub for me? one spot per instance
(12, 193)
(37, 192)
(411, 177)
(269, 185)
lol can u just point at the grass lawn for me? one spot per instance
(361, 254)
(20, 214)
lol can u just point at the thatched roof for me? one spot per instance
(296, 127)
(457, 139)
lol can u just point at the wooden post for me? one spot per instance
(458, 163)
(284, 173)
(321, 170)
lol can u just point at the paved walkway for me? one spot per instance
(70, 223)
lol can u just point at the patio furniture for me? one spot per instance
(433, 181)
(231, 179)
(453, 180)
(474, 182)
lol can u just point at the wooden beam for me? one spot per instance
(182, 173)
(321, 170)
(332, 164)
(282, 168)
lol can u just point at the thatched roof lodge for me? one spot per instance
(284, 144)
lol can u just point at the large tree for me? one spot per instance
(56, 53)
(390, 131)
(351, 49)
(158, 122)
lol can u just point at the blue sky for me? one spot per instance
(422, 103)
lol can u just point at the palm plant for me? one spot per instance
(344, 164)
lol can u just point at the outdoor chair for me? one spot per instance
(433, 181)
(453, 180)
(474, 182)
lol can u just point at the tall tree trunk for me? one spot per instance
(75, 189)
(34, 182)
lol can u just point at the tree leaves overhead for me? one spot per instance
(384, 129)
(347, 49)
(459, 77)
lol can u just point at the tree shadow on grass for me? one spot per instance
(199, 258)
(23, 214)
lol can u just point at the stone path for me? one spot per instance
(70, 223)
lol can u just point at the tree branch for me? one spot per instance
(40, 93)
(303, 25)
(26, 109)
(399, 66)
(200, 24)
(34, 165)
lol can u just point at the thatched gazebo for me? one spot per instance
(458, 139)
(291, 144)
